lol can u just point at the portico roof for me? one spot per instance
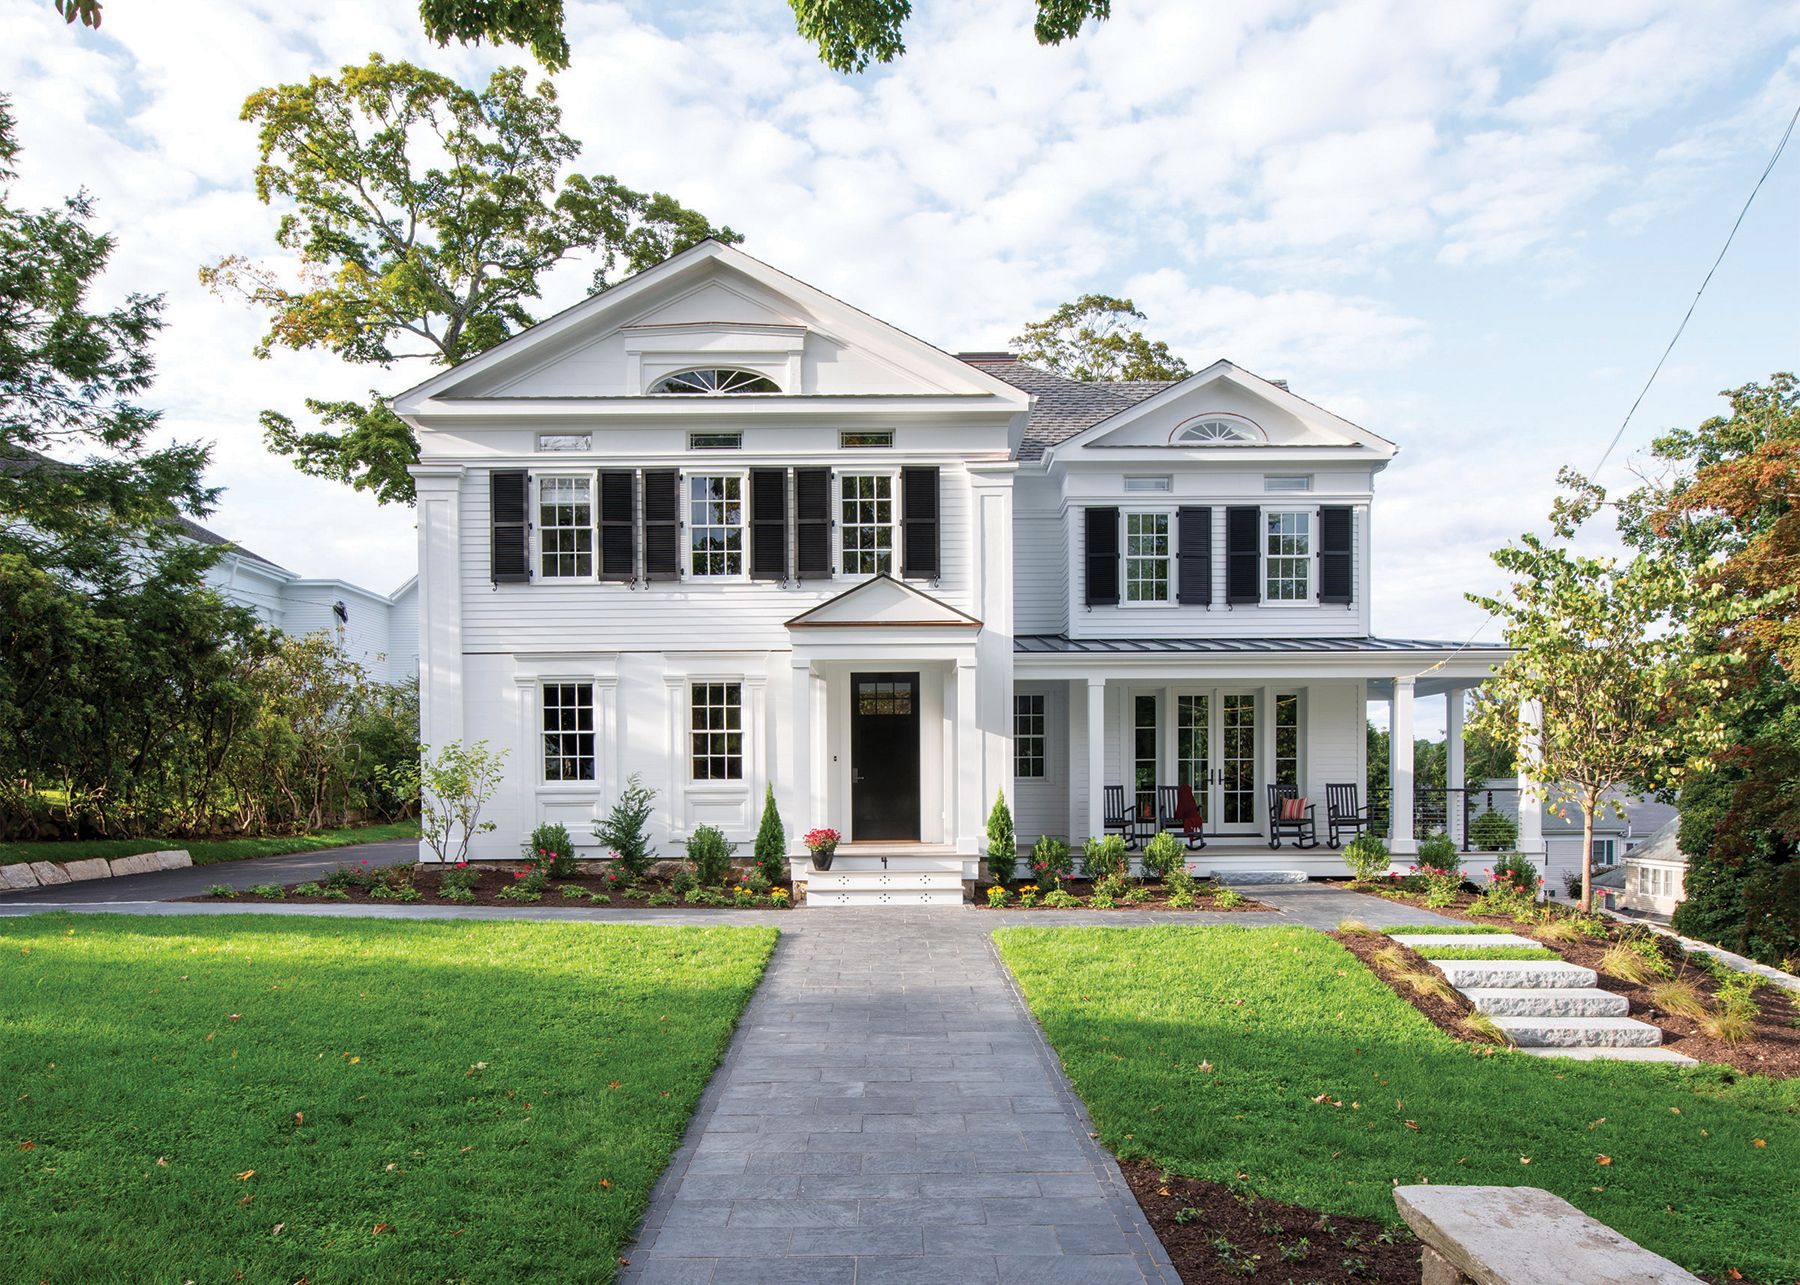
(1065, 645)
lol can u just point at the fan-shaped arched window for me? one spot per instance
(716, 379)
(1215, 430)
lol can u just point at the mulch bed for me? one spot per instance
(1215, 1235)
(1156, 898)
(493, 878)
(1773, 1050)
(1446, 1014)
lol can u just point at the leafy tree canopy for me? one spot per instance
(424, 217)
(1092, 339)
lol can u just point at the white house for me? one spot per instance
(1655, 873)
(1625, 823)
(718, 528)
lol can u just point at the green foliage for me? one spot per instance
(423, 219)
(1061, 899)
(553, 851)
(1515, 868)
(221, 890)
(1102, 901)
(1495, 831)
(1228, 898)
(1438, 850)
(1002, 844)
(623, 831)
(1164, 854)
(456, 881)
(536, 25)
(268, 891)
(1028, 895)
(683, 882)
(1051, 859)
(1111, 885)
(1091, 339)
(660, 899)
(997, 896)
(771, 841)
(853, 33)
(1103, 856)
(454, 784)
(710, 852)
(1367, 857)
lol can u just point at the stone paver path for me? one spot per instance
(889, 1112)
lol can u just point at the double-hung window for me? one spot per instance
(1028, 736)
(1287, 739)
(565, 527)
(866, 522)
(715, 524)
(568, 725)
(716, 731)
(1147, 577)
(1287, 556)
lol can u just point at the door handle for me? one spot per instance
(856, 778)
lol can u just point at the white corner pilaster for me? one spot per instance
(1454, 812)
(439, 489)
(970, 800)
(796, 792)
(1096, 760)
(1400, 770)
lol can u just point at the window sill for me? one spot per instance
(718, 787)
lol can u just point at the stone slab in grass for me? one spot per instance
(17, 875)
(141, 863)
(173, 859)
(1579, 1032)
(49, 873)
(88, 868)
(1464, 941)
(1548, 1001)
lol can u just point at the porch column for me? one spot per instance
(1400, 770)
(1453, 765)
(1077, 711)
(1096, 759)
(971, 805)
(799, 807)
(1531, 805)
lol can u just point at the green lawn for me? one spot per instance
(1283, 1015)
(242, 1097)
(1431, 950)
(207, 851)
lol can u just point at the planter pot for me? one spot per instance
(821, 859)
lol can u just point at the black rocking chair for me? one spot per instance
(1304, 830)
(1120, 816)
(1168, 798)
(1345, 813)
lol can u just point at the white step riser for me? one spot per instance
(898, 897)
(1474, 941)
(1579, 1032)
(883, 881)
(802, 871)
(1547, 1002)
(1515, 974)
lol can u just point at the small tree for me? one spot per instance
(1051, 860)
(1163, 854)
(454, 785)
(1104, 856)
(623, 830)
(1627, 696)
(771, 840)
(1003, 845)
(710, 852)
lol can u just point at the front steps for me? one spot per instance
(1545, 1007)
(1251, 878)
(901, 875)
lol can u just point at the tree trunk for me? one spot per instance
(1589, 801)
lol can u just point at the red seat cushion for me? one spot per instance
(1294, 809)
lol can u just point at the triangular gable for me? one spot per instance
(884, 603)
(1225, 389)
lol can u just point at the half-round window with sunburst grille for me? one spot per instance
(715, 380)
(1216, 430)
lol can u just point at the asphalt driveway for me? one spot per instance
(168, 885)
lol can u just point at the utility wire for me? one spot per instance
(1779, 148)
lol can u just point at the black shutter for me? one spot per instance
(768, 524)
(919, 523)
(1336, 581)
(618, 524)
(1102, 557)
(812, 523)
(510, 546)
(662, 556)
(1194, 554)
(1243, 559)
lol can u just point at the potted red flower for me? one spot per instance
(822, 843)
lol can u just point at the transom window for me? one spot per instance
(850, 438)
(715, 380)
(1287, 562)
(1214, 430)
(715, 441)
(568, 731)
(1146, 557)
(717, 731)
(1028, 736)
(716, 524)
(565, 527)
(866, 519)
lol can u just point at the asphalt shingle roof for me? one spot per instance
(1064, 406)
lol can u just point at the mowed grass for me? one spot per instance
(242, 1097)
(1206, 1050)
(207, 852)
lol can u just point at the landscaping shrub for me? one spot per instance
(1051, 859)
(997, 896)
(457, 879)
(1438, 886)
(1439, 851)
(1164, 854)
(1494, 831)
(308, 889)
(780, 898)
(221, 890)
(1111, 885)
(1367, 857)
(1517, 870)
(1102, 857)
(1002, 843)
(268, 891)
(683, 882)
(711, 853)
(622, 833)
(771, 841)
(1028, 895)
(1228, 898)
(1062, 899)
(552, 851)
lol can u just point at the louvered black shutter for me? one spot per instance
(1194, 586)
(509, 552)
(662, 558)
(768, 524)
(1243, 560)
(812, 523)
(919, 523)
(1336, 580)
(618, 524)
(1102, 557)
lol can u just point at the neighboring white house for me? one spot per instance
(721, 529)
(1615, 836)
(378, 631)
(1655, 873)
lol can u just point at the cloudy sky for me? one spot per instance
(1471, 227)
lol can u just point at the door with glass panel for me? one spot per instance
(1216, 755)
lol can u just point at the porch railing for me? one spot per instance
(1477, 817)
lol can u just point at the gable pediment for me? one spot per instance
(884, 603)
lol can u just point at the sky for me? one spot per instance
(1470, 227)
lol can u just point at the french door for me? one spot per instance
(1216, 753)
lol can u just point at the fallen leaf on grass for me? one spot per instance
(1596, 1124)
(246, 1175)
(1206, 1066)
(1758, 1142)
(163, 1161)
(1524, 1160)
(247, 1197)
(28, 1145)
(1411, 1124)
(378, 1228)
(606, 1184)
(277, 1229)
(1602, 1160)
(234, 1017)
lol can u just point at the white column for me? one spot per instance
(796, 792)
(971, 803)
(1400, 770)
(1453, 764)
(1096, 759)
(1531, 805)
(440, 603)
(1077, 716)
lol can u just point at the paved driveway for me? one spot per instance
(167, 885)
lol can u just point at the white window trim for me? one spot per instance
(1042, 736)
(692, 784)
(1148, 604)
(595, 687)
(838, 474)
(1310, 558)
(536, 518)
(688, 574)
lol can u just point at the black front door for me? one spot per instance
(884, 756)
